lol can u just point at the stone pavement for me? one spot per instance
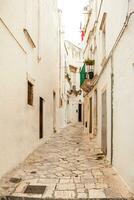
(69, 167)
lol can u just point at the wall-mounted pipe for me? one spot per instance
(112, 89)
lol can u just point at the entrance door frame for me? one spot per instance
(79, 112)
(96, 111)
(41, 117)
(90, 115)
(54, 111)
(104, 121)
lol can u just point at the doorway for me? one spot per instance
(54, 112)
(83, 114)
(41, 118)
(104, 123)
(80, 112)
(95, 112)
(90, 117)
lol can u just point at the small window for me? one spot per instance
(30, 93)
(103, 36)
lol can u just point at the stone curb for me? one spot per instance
(30, 198)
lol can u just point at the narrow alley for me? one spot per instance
(69, 165)
(66, 99)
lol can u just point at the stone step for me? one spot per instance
(30, 198)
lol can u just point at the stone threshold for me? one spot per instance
(30, 198)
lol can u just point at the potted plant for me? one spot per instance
(89, 62)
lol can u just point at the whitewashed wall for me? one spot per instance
(124, 106)
(19, 122)
(123, 82)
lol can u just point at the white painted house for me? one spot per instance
(109, 100)
(29, 76)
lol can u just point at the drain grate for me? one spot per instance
(15, 180)
(34, 189)
(33, 172)
(101, 157)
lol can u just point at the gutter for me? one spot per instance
(59, 49)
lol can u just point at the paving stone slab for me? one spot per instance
(82, 195)
(66, 186)
(94, 193)
(64, 194)
(65, 163)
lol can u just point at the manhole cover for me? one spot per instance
(34, 189)
(15, 180)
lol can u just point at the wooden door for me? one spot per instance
(90, 117)
(80, 112)
(95, 112)
(41, 118)
(104, 123)
(54, 112)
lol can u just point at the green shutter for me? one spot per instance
(82, 75)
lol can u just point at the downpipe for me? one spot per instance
(112, 90)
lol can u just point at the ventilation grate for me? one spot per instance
(34, 189)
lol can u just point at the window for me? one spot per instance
(95, 44)
(103, 35)
(30, 93)
(91, 52)
(104, 42)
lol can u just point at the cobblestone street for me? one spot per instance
(68, 166)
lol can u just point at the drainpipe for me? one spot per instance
(60, 70)
(112, 89)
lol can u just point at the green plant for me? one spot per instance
(89, 62)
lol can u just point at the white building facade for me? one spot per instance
(29, 65)
(108, 96)
(71, 94)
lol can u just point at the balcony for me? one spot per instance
(88, 84)
(74, 91)
(87, 77)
